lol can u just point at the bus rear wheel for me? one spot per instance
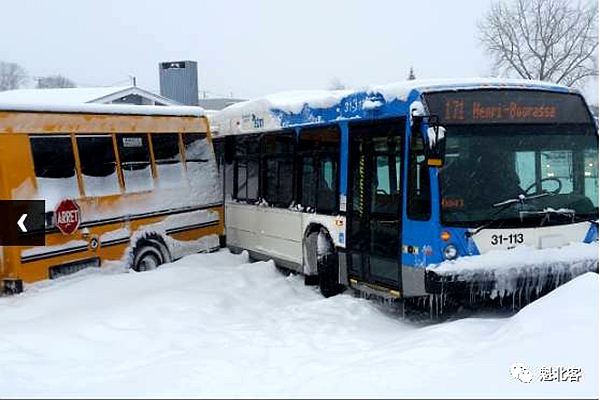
(149, 254)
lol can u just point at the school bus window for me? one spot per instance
(196, 147)
(135, 162)
(98, 165)
(54, 165)
(167, 158)
(197, 155)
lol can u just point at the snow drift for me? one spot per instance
(214, 325)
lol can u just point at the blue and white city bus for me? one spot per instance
(476, 187)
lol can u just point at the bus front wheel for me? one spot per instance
(327, 264)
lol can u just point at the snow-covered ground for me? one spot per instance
(214, 325)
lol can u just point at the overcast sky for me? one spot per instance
(247, 48)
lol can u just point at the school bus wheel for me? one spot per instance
(11, 286)
(149, 253)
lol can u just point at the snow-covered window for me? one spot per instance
(319, 152)
(167, 157)
(246, 170)
(54, 165)
(135, 162)
(278, 168)
(98, 165)
(199, 159)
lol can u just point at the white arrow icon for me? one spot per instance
(21, 223)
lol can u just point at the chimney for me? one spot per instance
(179, 81)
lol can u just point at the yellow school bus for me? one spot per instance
(119, 182)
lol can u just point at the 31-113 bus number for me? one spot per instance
(512, 238)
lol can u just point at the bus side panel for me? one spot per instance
(34, 263)
(241, 226)
(18, 176)
(40, 270)
(265, 230)
(281, 233)
(62, 249)
(17, 182)
(64, 123)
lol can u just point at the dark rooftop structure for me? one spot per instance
(218, 103)
(179, 81)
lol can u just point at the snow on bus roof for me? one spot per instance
(294, 102)
(88, 108)
(59, 95)
(79, 95)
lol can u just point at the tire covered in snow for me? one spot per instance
(327, 262)
(149, 253)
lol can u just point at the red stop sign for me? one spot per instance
(67, 216)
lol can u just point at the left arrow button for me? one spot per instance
(21, 223)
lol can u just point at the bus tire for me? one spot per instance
(11, 286)
(149, 253)
(327, 267)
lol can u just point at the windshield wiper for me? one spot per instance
(503, 205)
(522, 199)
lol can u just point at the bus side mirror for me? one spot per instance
(435, 148)
(435, 144)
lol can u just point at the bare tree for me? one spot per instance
(12, 76)
(54, 81)
(336, 84)
(551, 40)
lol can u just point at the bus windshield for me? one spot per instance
(490, 164)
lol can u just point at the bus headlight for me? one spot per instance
(450, 252)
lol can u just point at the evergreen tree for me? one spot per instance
(411, 74)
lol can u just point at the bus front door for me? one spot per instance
(374, 203)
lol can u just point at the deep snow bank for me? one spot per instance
(215, 326)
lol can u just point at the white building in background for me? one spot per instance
(98, 95)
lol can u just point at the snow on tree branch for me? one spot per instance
(12, 76)
(551, 40)
(55, 81)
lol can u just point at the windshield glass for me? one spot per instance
(488, 164)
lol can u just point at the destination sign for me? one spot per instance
(507, 106)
